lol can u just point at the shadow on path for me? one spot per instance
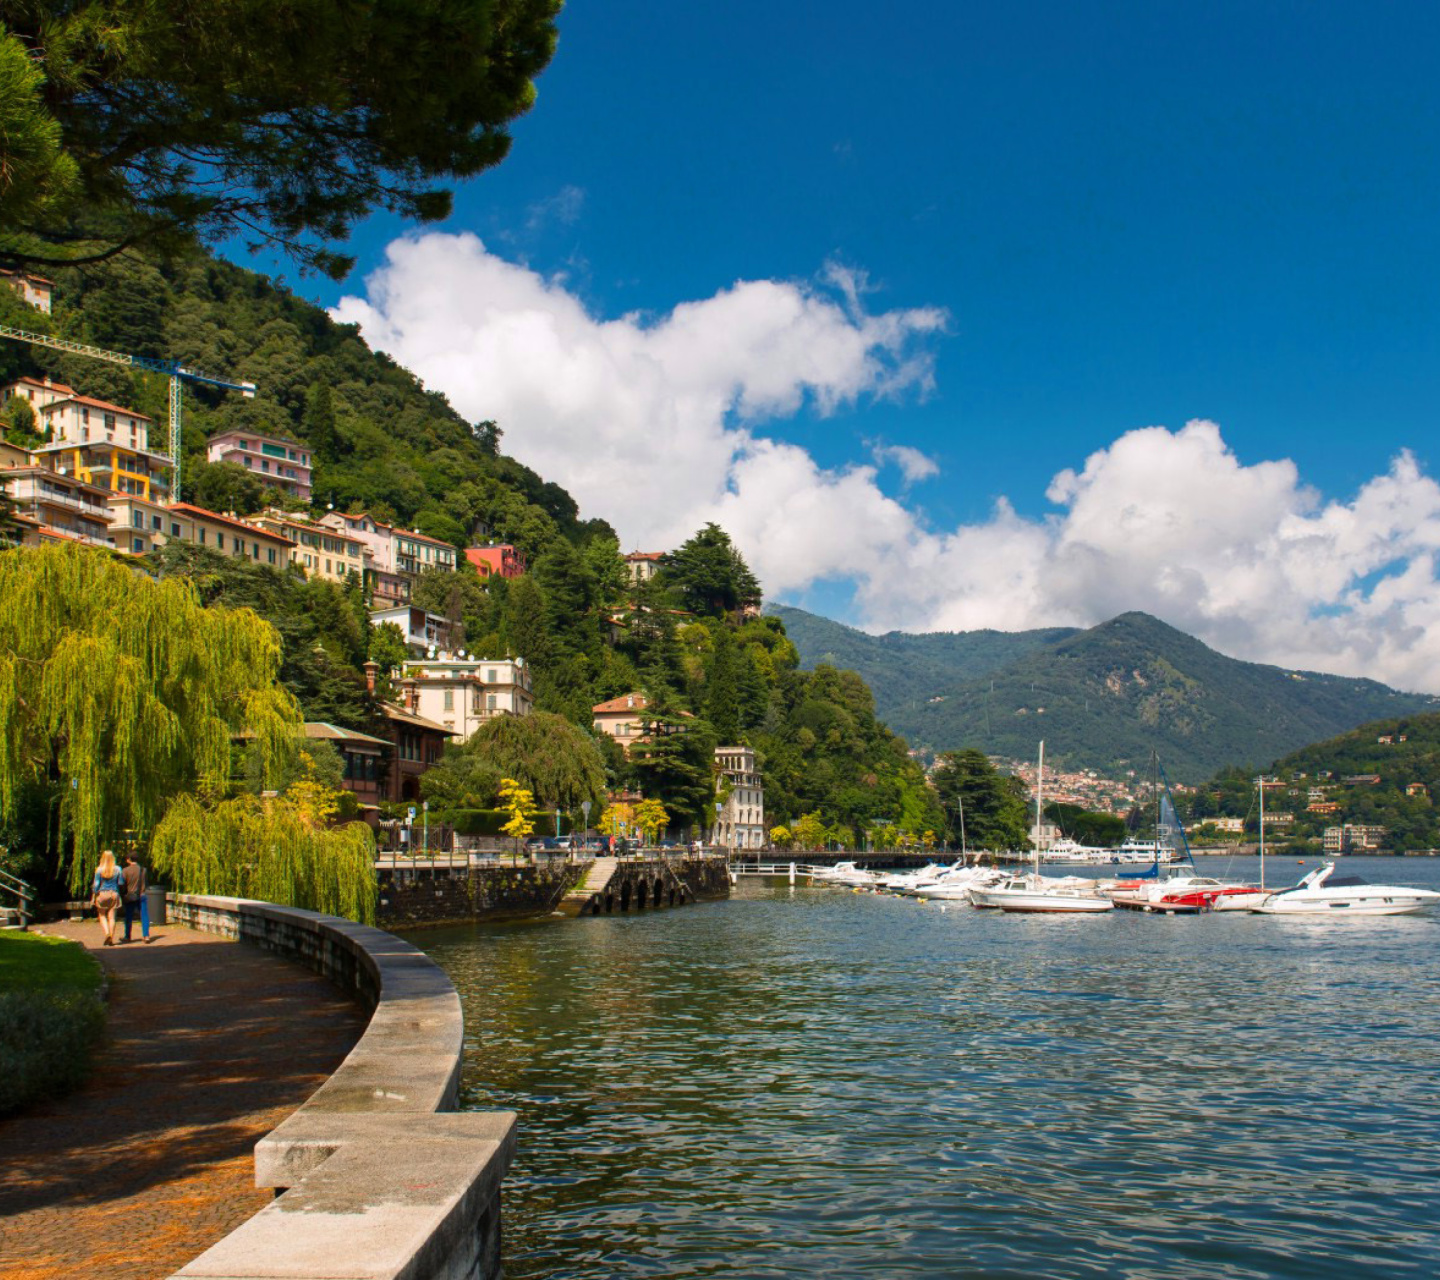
(211, 1044)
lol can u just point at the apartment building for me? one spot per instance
(116, 467)
(397, 555)
(424, 632)
(319, 550)
(1353, 838)
(62, 503)
(622, 718)
(282, 463)
(38, 392)
(78, 420)
(462, 693)
(740, 822)
(137, 524)
(227, 534)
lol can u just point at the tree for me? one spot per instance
(118, 692)
(651, 818)
(994, 805)
(557, 762)
(676, 765)
(809, 831)
(286, 125)
(617, 819)
(388, 650)
(520, 805)
(267, 848)
(781, 836)
(709, 574)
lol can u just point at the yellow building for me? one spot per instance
(320, 552)
(112, 466)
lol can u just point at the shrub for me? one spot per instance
(47, 1041)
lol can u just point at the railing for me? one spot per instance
(24, 894)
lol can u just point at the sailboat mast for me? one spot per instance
(1039, 801)
(1260, 782)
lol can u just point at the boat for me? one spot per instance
(1068, 852)
(1037, 893)
(1322, 893)
(956, 886)
(847, 873)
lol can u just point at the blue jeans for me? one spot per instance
(140, 907)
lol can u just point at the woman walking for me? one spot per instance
(106, 894)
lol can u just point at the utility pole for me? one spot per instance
(172, 369)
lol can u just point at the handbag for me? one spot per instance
(107, 900)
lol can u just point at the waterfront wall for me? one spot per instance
(443, 896)
(376, 1175)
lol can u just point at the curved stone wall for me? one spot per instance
(376, 1175)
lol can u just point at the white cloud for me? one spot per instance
(655, 424)
(913, 464)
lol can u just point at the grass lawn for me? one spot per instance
(30, 961)
(51, 1018)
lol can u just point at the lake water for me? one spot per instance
(813, 1083)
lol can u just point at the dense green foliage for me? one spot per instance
(989, 804)
(1097, 830)
(1410, 757)
(1105, 698)
(555, 760)
(51, 1018)
(126, 121)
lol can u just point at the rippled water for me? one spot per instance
(811, 1082)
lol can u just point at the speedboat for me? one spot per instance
(1324, 893)
(956, 886)
(1186, 893)
(1041, 893)
(847, 873)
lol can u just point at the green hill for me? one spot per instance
(1102, 698)
(1364, 773)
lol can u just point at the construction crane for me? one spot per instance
(172, 369)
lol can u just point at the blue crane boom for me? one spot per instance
(172, 369)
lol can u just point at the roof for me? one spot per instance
(186, 508)
(626, 702)
(237, 432)
(61, 446)
(400, 715)
(92, 403)
(25, 275)
(334, 733)
(44, 384)
(646, 555)
(36, 469)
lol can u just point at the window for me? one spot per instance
(85, 415)
(200, 536)
(272, 555)
(237, 545)
(109, 422)
(490, 701)
(255, 550)
(156, 523)
(137, 518)
(449, 699)
(137, 545)
(174, 529)
(490, 677)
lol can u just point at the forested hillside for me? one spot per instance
(1101, 698)
(1382, 774)
(382, 442)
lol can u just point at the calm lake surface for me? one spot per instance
(811, 1082)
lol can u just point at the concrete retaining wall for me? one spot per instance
(490, 892)
(376, 1175)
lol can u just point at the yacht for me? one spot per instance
(1068, 852)
(1034, 893)
(1324, 893)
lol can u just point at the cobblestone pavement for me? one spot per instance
(212, 1043)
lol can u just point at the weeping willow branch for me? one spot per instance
(267, 849)
(118, 692)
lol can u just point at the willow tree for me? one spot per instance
(118, 692)
(273, 849)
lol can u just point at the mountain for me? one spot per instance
(1101, 698)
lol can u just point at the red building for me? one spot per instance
(498, 558)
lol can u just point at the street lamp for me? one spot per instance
(585, 809)
(715, 831)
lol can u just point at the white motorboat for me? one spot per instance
(847, 873)
(1185, 893)
(1134, 850)
(1036, 893)
(956, 886)
(1322, 893)
(1072, 853)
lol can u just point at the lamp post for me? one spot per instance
(425, 809)
(715, 831)
(585, 809)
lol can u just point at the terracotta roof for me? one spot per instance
(59, 387)
(646, 555)
(187, 509)
(92, 403)
(628, 702)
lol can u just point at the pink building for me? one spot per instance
(282, 463)
(497, 558)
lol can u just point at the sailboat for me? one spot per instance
(1034, 892)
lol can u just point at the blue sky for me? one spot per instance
(1129, 215)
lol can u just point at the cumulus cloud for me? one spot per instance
(658, 424)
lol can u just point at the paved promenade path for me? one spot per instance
(212, 1043)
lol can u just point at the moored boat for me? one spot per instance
(1322, 893)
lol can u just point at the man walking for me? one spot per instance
(135, 904)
